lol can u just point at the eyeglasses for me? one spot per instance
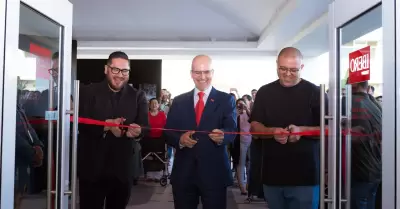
(199, 73)
(291, 70)
(116, 70)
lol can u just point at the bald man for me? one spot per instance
(290, 166)
(201, 166)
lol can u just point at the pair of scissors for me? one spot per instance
(123, 129)
(191, 137)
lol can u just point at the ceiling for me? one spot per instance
(315, 40)
(192, 26)
(189, 27)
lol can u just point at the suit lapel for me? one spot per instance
(211, 105)
(191, 108)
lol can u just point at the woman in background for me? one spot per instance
(245, 140)
(154, 142)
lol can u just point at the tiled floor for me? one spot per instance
(152, 195)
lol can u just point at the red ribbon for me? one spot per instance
(89, 121)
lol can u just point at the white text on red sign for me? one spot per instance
(359, 63)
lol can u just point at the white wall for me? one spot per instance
(244, 75)
(249, 74)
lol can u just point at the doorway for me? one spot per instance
(359, 77)
(36, 104)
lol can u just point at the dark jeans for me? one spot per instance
(363, 195)
(296, 197)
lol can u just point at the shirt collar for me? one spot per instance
(206, 91)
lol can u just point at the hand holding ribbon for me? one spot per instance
(134, 131)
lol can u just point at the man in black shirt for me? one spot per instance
(366, 156)
(290, 164)
(106, 154)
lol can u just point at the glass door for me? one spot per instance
(37, 105)
(358, 112)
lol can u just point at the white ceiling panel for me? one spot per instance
(254, 13)
(306, 12)
(144, 20)
(212, 24)
(317, 42)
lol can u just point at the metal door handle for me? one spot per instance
(322, 147)
(50, 191)
(348, 147)
(74, 145)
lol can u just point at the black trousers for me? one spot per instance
(109, 190)
(186, 196)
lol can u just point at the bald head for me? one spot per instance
(290, 52)
(289, 65)
(202, 71)
(201, 61)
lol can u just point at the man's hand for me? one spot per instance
(281, 135)
(294, 129)
(186, 140)
(114, 129)
(134, 131)
(113, 121)
(38, 158)
(217, 136)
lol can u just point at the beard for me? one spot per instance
(115, 87)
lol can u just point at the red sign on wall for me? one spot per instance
(359, 65)
(43, 60)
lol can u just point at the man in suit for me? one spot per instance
(201, 167)
(106, 153)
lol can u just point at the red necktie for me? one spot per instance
(199, 107)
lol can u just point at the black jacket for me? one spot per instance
(366, 155)
(101, 154)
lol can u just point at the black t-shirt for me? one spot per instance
(291, 164)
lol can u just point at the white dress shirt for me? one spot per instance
(205, 97)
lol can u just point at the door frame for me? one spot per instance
(59, 11)
(391, 19)
(340, 13)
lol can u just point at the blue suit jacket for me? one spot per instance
(206, 164)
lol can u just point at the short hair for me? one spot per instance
(293, 50)
(117, 55)
(248, 97)
(55, 56)
(363, 85)
(240, 99)
(254, 90)
(152, 99)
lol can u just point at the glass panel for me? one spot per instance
(361, 56)
(38, 79)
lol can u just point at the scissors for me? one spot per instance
(191, 137)
(123, 129)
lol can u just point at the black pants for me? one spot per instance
(110, 190)
(186, 196)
